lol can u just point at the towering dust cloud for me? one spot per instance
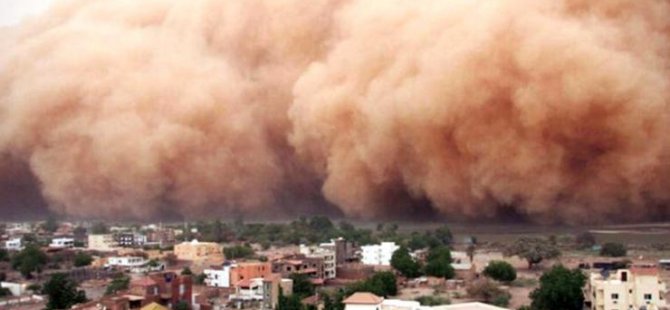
(553, 110)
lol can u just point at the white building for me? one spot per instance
(17, 289)
(126, 261)
(62, 243)
(369, 301)
(14, 244)
(104, 242)
(218, 277)
(328, 256)
(378, 254)
(636, 288)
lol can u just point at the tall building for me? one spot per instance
(104, 242)
(378, 254)
(636, 288)
(328, 256)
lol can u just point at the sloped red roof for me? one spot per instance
(363, 299)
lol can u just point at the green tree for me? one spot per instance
(238, 251)
(302, 286)
(182, 305)
(404, 263)
(30, 259)
(585, 240)
(82, 259)
(99, 228)
(4, 255)
(4, 292)
(119, 283)
(444, 235)
(381, 284)
(560, 288)
(292, 302)
(432, 300)
(500, 271)
(186, 271)
(612, 249)
(62, 292)
(200, 279)
(50, 225)
(438, 263)
(533, 250)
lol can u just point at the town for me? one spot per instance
(314, 263)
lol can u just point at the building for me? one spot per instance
(636, 288)
(128, 239)
(229, 274)
(160, 236)
(327, 255)
(14, 244)
(378, 254)
(345, 251)
(363, 301)
(261, 293)
(369, 301)
(195, 250)
(103, 242)
(311, 266)
(165, 288)
(126, 262)
(62, 243)
(218, 276)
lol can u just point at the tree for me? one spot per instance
(560, 288)
(182, 305)
(404, 263)
(51, 225)
(119, 283)
(4, 292)
(82, 259)
(292, 302)
(30, 259)
(200, 279)
(381, 284)
(186, 271)
(486, 291)
(302, 286)
(533, 250)
(99, 228)
(438, 263)
(4, 255)
(432, 300)
(238, 251)
(62, 292)
(500, 271)
(585, 240)
(444, 235)
(613, 250)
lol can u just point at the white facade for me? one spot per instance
(252, 291)
(626, 289)
(103, 242)
(14, 244)
(62, 243)
(328, 256)
(126, 261)
(218, 277)
(17, 289)
(397, 304)
(378, 254)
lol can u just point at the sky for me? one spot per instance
(13, 11)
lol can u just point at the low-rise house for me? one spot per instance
(635, 288)
(229, 274)
(378, 254)
(195, 250)
(128, 239)
(165, 288)
(369, 301)
(301, 264)
(14, 244)
(126, 262)
(62, 243)
(261, 292)
(101, 242)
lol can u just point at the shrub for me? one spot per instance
(500, 271)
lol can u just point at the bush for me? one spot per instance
(433, 300)
(613, 250)
(186, 271)
(82, 259)
(500, 271)
(486, 291)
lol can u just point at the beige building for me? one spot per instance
(103, 242)
(195, 250)
(636, 288)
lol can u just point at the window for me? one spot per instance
(647, 296)
(181, 289)
(615, 296)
